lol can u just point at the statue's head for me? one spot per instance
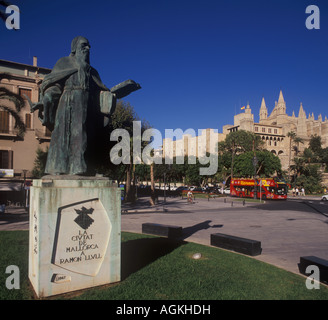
(80, 48)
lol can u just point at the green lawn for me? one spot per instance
(156, 268)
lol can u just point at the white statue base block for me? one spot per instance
(75, 234)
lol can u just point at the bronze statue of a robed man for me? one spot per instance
(75, 105)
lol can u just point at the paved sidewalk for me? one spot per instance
(14, 218)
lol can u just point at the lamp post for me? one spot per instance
(255, 162)
(167, 168)
(164, 188)
(24, 191)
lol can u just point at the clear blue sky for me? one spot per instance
(197, 61)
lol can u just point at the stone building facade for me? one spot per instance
(18, 153)
(272, 127)
(191, 144)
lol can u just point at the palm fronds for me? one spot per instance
(18, 101)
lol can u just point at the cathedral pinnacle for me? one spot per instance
(263, 110)
(263, 105)
(281, 106)
(281, 98)
(301, 113)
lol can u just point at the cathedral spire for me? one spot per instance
(281, 98)
(301, 113)
(263, 110)
(281, 105)
(301, 123)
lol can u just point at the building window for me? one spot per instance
(4, 121)
(276, 131)
(263, 129)
(6, 159)
(28, 121)
(27, 92)
(256, 129)
(269, 130)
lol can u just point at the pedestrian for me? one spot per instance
(293, 191)
(189, 195)
(303, 192)
(296, 191)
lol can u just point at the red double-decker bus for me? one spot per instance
(265, 188)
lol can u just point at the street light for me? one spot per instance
(164, 188)
(255, 162)
(24, 190)
(167, 168)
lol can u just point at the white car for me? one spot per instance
(226, 191)
(324, 197)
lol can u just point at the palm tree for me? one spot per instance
(308, 155)
(152, 185)
(3, 15)
(297, 140)
(298, 166)
(18, 101)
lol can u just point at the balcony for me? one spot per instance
(42, 135)
(12, 134)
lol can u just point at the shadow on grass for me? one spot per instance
(137, 254)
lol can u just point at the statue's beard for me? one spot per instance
(83, 56)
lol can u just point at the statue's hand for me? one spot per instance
(36, 106)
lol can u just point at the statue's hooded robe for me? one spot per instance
(70, 95)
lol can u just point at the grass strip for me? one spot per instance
(155, 268)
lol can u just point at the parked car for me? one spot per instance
(324, 197)
(226, 191)
(209, 189)
(179, 190)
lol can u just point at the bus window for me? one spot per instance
(281, 190)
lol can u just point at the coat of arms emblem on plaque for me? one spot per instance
(81, 238)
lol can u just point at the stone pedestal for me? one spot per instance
(75, 234)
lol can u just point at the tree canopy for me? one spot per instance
(268, 164)
(242, 141)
